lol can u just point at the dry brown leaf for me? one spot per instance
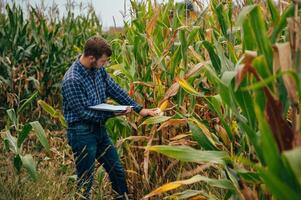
(150, 26)
(136, 138)
(195, 54)
(172, 91)
(171, 41)
(146, 154)
(283, 61)
(149, 29)
(133, 159)
(170, 166)
(133, 125)
(247, 193)
(181, 136)
(244, 68)
(195, 69)
(223, 134)
(195, 171)
(198, 197)
(151, 85)
(173, 122)
(281, 130)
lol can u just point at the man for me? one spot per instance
(86, 83)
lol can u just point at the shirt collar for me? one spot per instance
(82, 69)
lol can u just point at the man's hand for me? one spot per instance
(128, 110)
(150, 112)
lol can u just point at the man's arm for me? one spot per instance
(77, 101)
(118, 94)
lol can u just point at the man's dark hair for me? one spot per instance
(97, 47)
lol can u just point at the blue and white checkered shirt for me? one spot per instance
(82, 87)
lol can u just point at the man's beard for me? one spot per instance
(94, 65)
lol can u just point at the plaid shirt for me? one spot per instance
(83, 87)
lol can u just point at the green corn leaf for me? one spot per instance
(100, 174)
(215, 105)
(203, 136)
(250, 177)
(248, 36)
(280, 189)
(63, 121)
(274, 12)
(216, 63)
(30, 165)
(184, 44)
(23, 134)
(244, 13)
(192, 34)
(219, 11)
(268, 143)
(40, 134)
(293, 158)
(188, 154)
(12, 116)
(12, 143)
(254, 139)
(17, 163)
(289, 12)
(270, 151)
(244, 99)
(53, 113)
(261, 84)
(28, 101)
(260, 32)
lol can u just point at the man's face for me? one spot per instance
(100, 62)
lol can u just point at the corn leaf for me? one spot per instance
(273, 11)
(202, 135)
(220, 183)
(17, 163)
(278, 187)
(188, 154)
(293, 158)
(40, 134)
(28, 101)
(191, 194)
(49, 109)
(155, 120)
(187, 87)
(30, 165)
(216, 62)
(12, 116)
(289, 12)
(23, 134)
(12, 143)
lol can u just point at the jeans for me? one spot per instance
(90, 142)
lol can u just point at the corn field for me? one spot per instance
(226, 75)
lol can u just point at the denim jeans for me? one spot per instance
(90, 143)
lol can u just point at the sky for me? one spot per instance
(105, 9)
